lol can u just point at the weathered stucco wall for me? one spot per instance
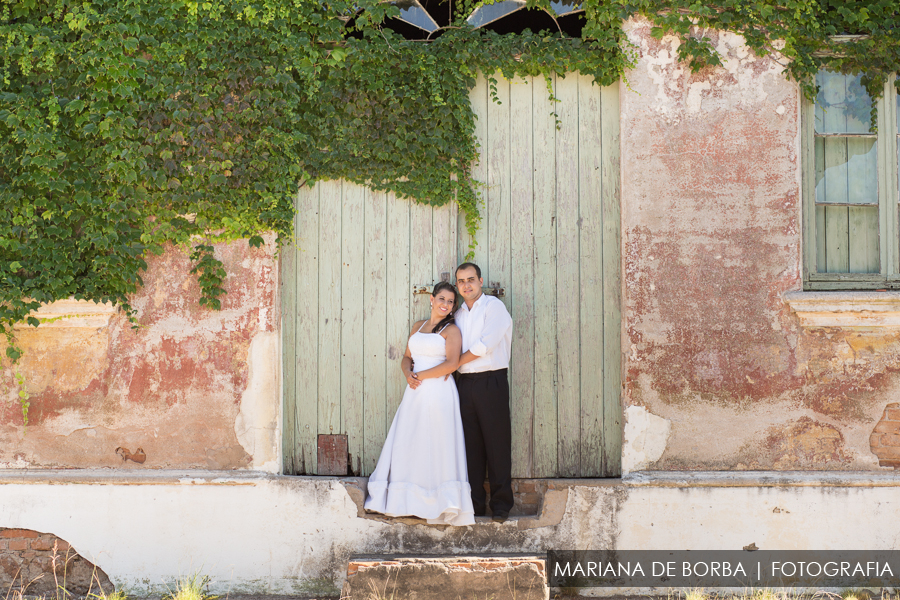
(711, 206)
(191, 387)
(294, 535)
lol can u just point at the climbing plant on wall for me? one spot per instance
(126, 125)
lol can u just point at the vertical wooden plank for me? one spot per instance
(568, 336)
(863, 239)
(352, 333)
(819, 143)
(479, 98)
(836, 238)
(443, 249)
(808, 188)
(837, 251)
(329, 341)
(306, 378)
(399, 296)
(288, 286)
(890, 253)
(375, 323)
(590, 261)
(454, 239)
(420, 260)
(862, 188)
(545, 328)
(498, 180)
(521, 282)
(612, 283)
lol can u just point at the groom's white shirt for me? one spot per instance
(487, 333)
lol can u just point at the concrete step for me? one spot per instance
(424, 577)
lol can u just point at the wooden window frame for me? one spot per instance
(888, 206)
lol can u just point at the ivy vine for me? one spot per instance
(127, 125)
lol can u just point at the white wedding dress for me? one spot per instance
(422, 467)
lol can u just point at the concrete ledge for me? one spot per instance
(356, 486)
(761, 479)
(845, 309)
(133, 477)
(424, 577)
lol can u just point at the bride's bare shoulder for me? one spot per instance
(416, 326)
(451, 330)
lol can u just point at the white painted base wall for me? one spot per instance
(259, 533)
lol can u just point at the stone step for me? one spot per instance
(429, 577)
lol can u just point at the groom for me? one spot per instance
(484, 391)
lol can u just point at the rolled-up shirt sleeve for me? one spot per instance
(496, 324)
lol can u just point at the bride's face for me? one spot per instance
(442, 304)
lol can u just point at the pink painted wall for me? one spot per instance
(173, 387)
(711, 209)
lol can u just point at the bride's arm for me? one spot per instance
(406, 363)
(454, 346)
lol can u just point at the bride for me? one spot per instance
(422, 467)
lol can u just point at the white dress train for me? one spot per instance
(422, 467)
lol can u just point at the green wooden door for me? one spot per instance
(550, 237)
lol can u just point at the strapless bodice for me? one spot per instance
(427, 349)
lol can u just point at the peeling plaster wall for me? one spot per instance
(711, 209)
(191, 387)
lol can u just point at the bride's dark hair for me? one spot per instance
(440, 287)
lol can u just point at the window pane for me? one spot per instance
(413, 13)
(842, 104)
(847, 205)
(488, 13)
(847, 239)
(565, 7)
(846, 170)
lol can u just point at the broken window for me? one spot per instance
(428, 19)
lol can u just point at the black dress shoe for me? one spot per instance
(500, 516)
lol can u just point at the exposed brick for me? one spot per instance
(890, 439)
(352, 569)
(875, 440)
(525, 487)
(892, 414)
(889, 463)
(62, 545)
(18, 544)
(888, 453)
(41, 544)
(18, 533)
(887, 427)
(4, 545)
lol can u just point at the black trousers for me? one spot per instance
(484, 406)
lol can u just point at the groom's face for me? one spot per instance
(468, 283)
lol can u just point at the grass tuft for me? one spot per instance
(193, 587)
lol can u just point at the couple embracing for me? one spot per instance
(446, 432)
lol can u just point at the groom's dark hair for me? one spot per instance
(468, 265)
